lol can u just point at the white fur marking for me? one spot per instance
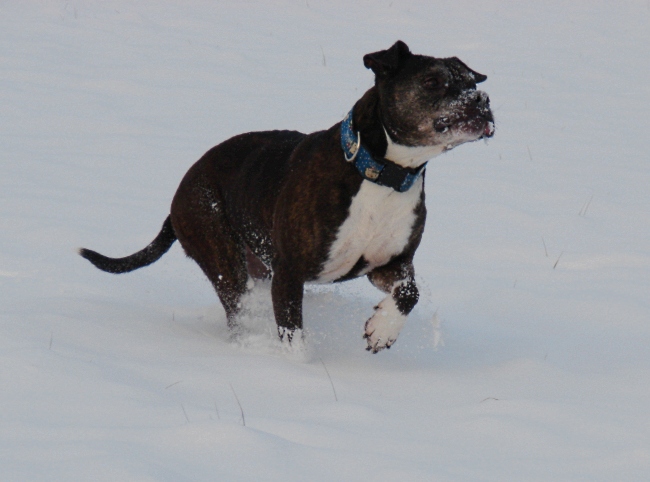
(407, 156)
(383, 328)
(378, 227)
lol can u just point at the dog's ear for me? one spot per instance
(387, 61)
(478, 78)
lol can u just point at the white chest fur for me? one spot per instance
(378, 227)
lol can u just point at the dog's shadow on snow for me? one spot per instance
(334, 319)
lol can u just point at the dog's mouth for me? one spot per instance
(477, 126)
(467, 117)
(488, 131)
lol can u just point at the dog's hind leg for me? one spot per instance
(397, 279)
(208, 238)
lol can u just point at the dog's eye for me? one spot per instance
(434, 82)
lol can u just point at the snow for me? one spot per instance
(527, 357)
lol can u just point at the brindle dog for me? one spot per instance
(328, 206)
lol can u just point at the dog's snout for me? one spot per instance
(483, 105)
(483, 99)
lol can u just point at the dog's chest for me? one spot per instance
(378, 227)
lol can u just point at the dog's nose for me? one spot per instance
(483, 99)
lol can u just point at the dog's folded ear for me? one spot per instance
(478, 78)
(387, 61)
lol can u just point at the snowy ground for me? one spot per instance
(527, 357)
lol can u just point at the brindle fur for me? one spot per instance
(272, 202)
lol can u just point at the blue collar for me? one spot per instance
(383, 172)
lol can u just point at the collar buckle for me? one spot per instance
(354, 149)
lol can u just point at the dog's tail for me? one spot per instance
(144, 257)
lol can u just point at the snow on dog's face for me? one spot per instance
(427, 101)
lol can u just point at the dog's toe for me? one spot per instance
(382, 329)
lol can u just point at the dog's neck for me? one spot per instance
(408, 156)
(381, 171)
(368, 121)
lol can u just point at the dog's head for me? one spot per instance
(426, 101)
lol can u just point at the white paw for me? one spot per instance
(293, 343)
(382, 329)
(288, 336)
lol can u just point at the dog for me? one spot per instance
(328, 206)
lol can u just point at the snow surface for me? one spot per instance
(527, 357)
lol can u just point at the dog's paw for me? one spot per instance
(382, 329)
(293, 343)
(289, 337)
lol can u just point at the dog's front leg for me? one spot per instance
(398, 280)
(287, 292)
